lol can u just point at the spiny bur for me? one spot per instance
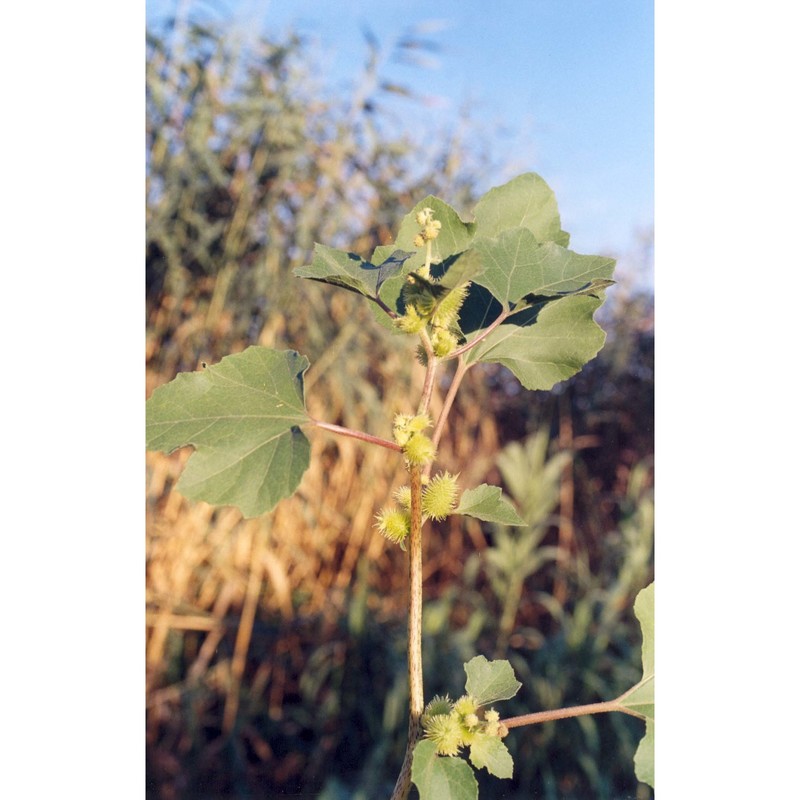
(439, 496)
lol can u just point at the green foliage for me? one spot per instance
(526, 203)
(489, 753)
(566, 653)
(242, 416)
(454, 237)
(490, 681)
(515, 556)
(537, 318)
(532, 477)
(487, 503)
(544, 343)
(644, 760)
(641, 698)
(451, 726)
(516, 265)
(348, 271)
(441, 776)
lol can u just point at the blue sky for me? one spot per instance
(561, 87)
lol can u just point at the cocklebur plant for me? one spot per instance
(503, 288)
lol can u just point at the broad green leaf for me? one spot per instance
(544, 343)
(441, 777)
(644, 761)
(488, 503)
(349, 271)
(242, 417)
(490, 681)
(641, 698)
(490, 753)
(524, 202)
(516, 265)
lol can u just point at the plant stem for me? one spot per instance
(416, 703)
(364, 437)
(564, 713)
(383, 306)
(458, 376)
(504, 315)
(430, 374)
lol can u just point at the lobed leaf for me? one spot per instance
(488, 503)
(516, 265)
(489, 752)
(545, 343)
(242, 416)
(441, 777)
(490, 681)
(524, 202)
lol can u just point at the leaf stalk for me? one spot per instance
(564, 713)
(360, 435)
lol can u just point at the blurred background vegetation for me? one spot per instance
(276, 646)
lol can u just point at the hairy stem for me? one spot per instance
(364, 437)
(416, 703)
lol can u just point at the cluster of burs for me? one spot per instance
(439, 494)
(428, 305)
(432, 311)
(452, 725)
